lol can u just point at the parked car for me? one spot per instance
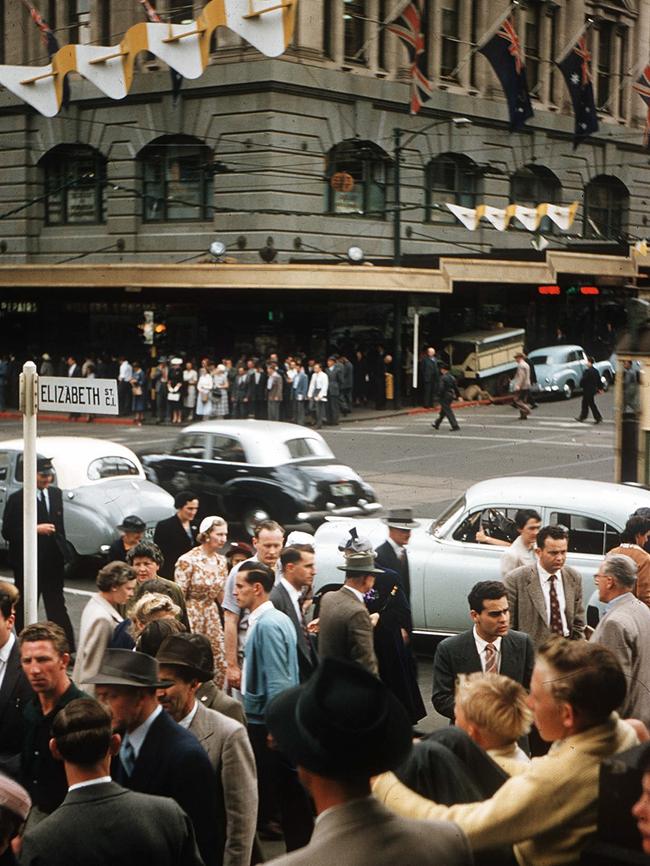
(559, 370)
(247, 471)
(102, 482)
(445, 560)
(484, 360)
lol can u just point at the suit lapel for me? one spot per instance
(535, 593)
(569, 598)
(469, 653)
(11, 676)
(509, 668)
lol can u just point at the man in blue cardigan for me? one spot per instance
(270, 667)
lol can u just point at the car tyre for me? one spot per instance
(252, 515)
(568, 390)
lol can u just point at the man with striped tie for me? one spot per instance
(489, 646)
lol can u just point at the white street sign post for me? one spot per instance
(50, 393)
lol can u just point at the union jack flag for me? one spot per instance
(642, 87)
(577, 76)
(506, 57)
(177, 78)
(411, 27)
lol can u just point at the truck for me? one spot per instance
(483, 362)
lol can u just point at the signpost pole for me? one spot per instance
(416, 347)
(28, 405)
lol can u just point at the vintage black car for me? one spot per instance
(247, 471)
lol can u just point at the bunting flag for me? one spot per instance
(468, 216)
(177, 78)
(530, 217)
(50, 42)
(411, 27)
(577, 75)
(504, 52)
(642, 87)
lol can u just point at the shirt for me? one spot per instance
(355, 593)
(100, 781)
(187, 720)
(612, 604)
(516, 555)
(43, 494)
(559, 590)
(480, 649)
(253, 617)
(295, 595)
(5, 652)
(139, 735)
(400, 551)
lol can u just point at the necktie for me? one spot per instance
(41, 494)
(555, 620)
(127, 756)
(490, 659)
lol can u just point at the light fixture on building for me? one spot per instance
(355, 255)
(461, 122)
(217, 249)
(268, 252)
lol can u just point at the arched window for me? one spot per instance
(451, 177)
(533, 185)
(357, 177)
(607, 200)
(177, 176)
(75, 181)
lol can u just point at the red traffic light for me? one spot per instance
(589, 290)
(548, 290)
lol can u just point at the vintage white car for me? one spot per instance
(559, 370)
(102, 482)
(445, 560)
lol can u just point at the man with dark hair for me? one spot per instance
(522, 550)
(633, 541)
(101, 823)
(146, 559)
(489, 646)
(448, 391)
(298, 572)
(393, 553)
(177, 534)
(334, 373)
(15, 690)
(270, 667)
(157, 756)
(546, 598)
(44, 656)
(591, 384)
(549, 810)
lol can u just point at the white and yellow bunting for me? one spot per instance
(267, 25)
(529, 217)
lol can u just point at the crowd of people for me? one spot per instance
(215, 700)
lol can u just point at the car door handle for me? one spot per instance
(197, 466)
(242, 472)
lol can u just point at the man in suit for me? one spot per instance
(274, 391)
(50, 541)
(270, 667)
(546, 598)
(345, 628)
(489, 646)
(101, 823)
(392, 554)
(257, 389)
(157, 755)
(177, 534)
(591, 385)
(430, 378)
(334, 373)
(341, 728)
(15, 690)
(298, 572)
(625, 630)
(448, 391)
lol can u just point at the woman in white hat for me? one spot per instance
(204, 393)
(220, 392)
(201, 574)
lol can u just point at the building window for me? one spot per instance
(77, 16)
(533, 185)
(329, 10)
(357, 177)
(605, 67)
(105, 22)
(533, 37)
(75, 181)
(453, 178)
(607, 200)
(450, 37)
(179, 12)
(354, 31)
(177, 176)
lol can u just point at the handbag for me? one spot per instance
(174, 396)
(136, 390)
(204, 396)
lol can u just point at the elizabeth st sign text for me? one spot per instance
(85, 396)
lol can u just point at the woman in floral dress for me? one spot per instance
(201, 573)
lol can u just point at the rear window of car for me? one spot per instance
(191, 445)
(540, 359)
(306, 447)
(111, 467)
(587, 534)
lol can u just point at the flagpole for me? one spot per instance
(489, 33)
(581, 32)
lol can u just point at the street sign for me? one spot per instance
(85, 396)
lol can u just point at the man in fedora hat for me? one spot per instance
(345, 628)
(392, 553)
(340, 728)
(226, 742)
(15, 804)
(132, 529)
(157, 755)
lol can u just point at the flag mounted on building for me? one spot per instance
(506, 57)
(50, 42)
(177, 78)
(411, 27)
(577, 74)
(642, 87)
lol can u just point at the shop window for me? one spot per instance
(606, 207)
(357, 178)
(104, 17)
(533, 185)
(453, 178)
(354, 31)
(75, 183)
(176, 180)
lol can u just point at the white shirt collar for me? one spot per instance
(481, 644)
(355, 592)
(259, 612)
(544, 575)
(398, 548)
(5, 651)
(100, 781)
(294, 594)
(187, 720)
(138, 736)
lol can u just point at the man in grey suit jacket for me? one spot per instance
(100, 823)
(341, 728)
(298, 572)
(625, 630)
(225, 741)
(511, 653)
(546, 598)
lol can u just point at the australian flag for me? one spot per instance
(411, 28)
(642, 87)
(505, 54)
(576, 72)
(51, 44)
(177, 78)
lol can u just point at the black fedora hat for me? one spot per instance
(343, 722)
(122, 667)
(181, 651)
(400, 518)
(132, 523)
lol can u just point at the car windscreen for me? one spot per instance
(540, 359)
(306, 446)
(111, 467)
(455, 509)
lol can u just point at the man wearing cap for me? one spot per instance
(100, 823)
(345, 628)
(132, 529)
(15, 804)
(521, 386)
(340, 728)
(157, 756)
(225, 741)
(392, 553)
(177, 534)
(50, 542)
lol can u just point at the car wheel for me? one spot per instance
(568, 390)
(254, 514)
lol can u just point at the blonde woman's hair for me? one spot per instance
(150, 605)
(495, 704)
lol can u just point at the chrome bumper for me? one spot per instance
(362, 509)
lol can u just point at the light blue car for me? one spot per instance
(559, 370)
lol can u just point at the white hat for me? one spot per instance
(297, 537)
(175, 361)
(207, 522)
